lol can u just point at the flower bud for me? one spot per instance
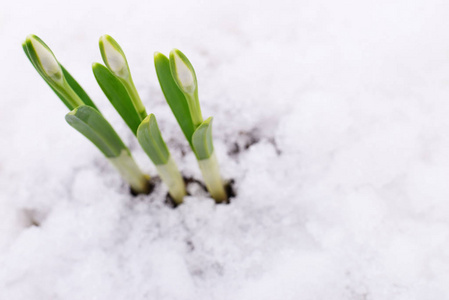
(182, 72)
(45, 59)
(113, 56)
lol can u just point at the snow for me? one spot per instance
(330, 117)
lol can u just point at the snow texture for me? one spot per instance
(330, 116)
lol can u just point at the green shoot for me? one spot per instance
(181, 92)
(115, 60)
(84, 115)
(90, 123)
(150, 139)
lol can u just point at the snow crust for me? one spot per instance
(330, 116)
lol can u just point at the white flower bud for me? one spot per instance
(48, 63)
(113, 56)
(182, 72)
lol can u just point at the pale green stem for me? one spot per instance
(132, 91)
(171, 176)
(194, 108)
(211, 175)
(129, 170)
(70, 94)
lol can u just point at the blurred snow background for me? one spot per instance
(331, 117)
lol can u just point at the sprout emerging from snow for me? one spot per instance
(179, 84)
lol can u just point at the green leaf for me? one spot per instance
(77, 88)
(150, 138)
(117, 94)
(89, 122)
(174, 96)
(202, 140)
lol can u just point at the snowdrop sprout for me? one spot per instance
(179, 85)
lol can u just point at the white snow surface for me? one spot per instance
(330, 116)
